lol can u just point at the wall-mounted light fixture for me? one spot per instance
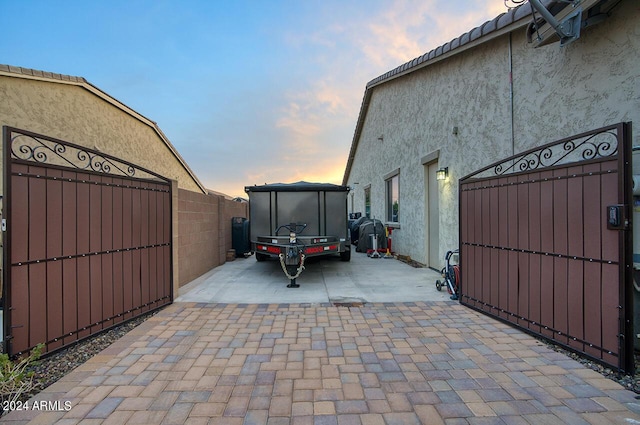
(442, 173)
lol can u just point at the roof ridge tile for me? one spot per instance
(492, 25)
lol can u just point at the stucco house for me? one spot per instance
(485, 95)
(514, 144)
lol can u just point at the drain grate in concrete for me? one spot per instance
(356, 304)
(348, 302)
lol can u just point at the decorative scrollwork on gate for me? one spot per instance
(589, 147)
(32, 148)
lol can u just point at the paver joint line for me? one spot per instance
(402, 364)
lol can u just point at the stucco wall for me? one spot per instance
(557, 92)
(74, 114)
(590, 83)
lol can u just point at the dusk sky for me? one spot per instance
(249, 92)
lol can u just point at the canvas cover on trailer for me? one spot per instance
(321, 206)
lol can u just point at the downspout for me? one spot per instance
(513, 136)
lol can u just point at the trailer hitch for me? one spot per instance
(283, 262)
(293, 262)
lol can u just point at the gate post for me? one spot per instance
(627, 337)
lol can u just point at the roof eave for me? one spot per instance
(32, 74)
(519, 20)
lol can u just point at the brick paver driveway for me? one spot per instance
(394, 363)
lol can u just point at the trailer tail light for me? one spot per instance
(270, 249)
(319, 249)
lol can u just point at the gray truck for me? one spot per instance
(295, 221)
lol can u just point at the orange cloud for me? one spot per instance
(409, 29)
(316, 123)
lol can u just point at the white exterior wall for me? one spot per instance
(557, 92)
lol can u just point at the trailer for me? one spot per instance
(295, 221)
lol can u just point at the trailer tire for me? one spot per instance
(345, 255)
(260, 256)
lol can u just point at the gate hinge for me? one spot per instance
(4, 224)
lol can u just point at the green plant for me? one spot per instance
(15, 380)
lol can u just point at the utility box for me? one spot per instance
(240, 236)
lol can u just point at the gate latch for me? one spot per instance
(616, 217)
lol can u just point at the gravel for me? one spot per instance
(630, 382)
(53, 367)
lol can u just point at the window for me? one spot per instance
(367, 202)
(393, 206)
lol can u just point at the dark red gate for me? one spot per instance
(87, 241)
(546, 243)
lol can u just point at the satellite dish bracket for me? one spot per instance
(568, 29)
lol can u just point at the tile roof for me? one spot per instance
(42, 74)
(503, 21)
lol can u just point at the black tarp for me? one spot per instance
(368, 228)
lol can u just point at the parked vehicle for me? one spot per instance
(295, 221)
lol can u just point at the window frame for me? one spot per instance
(367, 201)
(392, 196)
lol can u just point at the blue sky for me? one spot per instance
(249, 92)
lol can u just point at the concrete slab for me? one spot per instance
(324, 280)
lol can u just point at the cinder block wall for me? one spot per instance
(204, 232)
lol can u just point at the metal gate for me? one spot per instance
(87, 242)
(545, 240)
